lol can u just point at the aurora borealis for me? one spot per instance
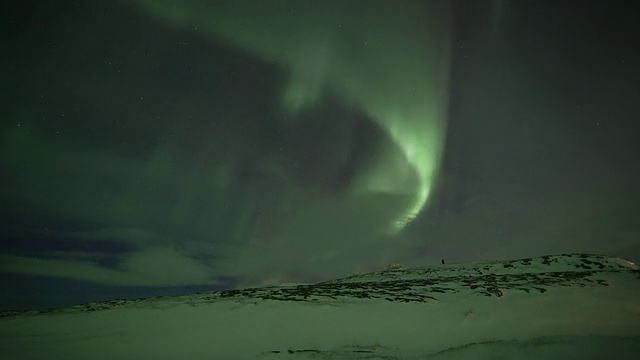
(345, 48)
(152, 146)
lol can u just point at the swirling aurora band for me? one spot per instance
(390, 61)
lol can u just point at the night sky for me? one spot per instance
(157, 147)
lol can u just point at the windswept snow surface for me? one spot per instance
(554, 307)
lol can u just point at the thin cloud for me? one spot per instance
(153, 266)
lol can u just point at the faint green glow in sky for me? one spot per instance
(389, 61)
(497, 12)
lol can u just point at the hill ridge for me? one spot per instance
(417, 284)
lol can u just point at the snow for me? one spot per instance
(563, 306)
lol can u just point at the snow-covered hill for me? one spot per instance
(573, 306)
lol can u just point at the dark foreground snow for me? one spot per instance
(562, 306)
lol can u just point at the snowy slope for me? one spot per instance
(562, 306)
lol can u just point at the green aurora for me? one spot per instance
(390, 62)
(164, 147)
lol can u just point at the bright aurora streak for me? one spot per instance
(389, 60)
